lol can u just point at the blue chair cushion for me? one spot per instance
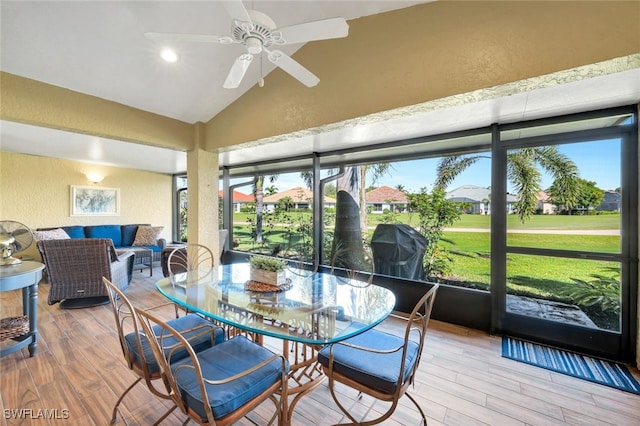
(153, 248)
(377, 371)
(219, 362)
(105, 231)
(197, 338)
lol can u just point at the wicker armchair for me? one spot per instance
(75, 268)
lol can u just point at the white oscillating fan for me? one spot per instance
(14, 238)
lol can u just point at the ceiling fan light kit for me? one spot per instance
(169, 55)
(257, 32)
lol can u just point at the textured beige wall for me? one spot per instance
(202, 173)
(40, 104)
(429, 52)
(36, 191)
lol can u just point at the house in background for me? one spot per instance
(300, 198)
(240, 199)
(543, 205)
(386, 198)
(478, 199)
(611, 202)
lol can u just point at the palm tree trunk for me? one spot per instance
(363, 199)
(259, 194)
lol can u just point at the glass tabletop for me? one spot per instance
(315, 309)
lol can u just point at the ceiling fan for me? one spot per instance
(258, 33)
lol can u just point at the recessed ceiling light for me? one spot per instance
(169, 55)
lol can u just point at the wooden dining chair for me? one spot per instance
(219, 385)
(379, 364)
(137, 352)
(353, 266)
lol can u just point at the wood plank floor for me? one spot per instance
(78, 373)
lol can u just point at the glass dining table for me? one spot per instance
(310, 311)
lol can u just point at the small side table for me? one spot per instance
(144, 258)
(25, 276)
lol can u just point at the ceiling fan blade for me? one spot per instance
(316, 30)
(237, 71)
(292, 67)
(204, 38)
(237, 11)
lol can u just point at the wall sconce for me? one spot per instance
(94, 177)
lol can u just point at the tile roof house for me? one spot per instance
(611, 202)
(386, 198)
(300, 197)
(543, 204)
(239, 199)
(479, 199)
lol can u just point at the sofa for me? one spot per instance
(75, 268)
(122, 236)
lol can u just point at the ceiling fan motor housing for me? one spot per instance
(257, 34)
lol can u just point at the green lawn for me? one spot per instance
(609, 221)
(471, 257)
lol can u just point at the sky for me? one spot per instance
(597, 161)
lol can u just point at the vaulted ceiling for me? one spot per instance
(99, 49)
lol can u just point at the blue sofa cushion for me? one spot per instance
(222, 361)
(198, 339)
(74, 231)
(377, 371)
(105, 231)
(129, 234)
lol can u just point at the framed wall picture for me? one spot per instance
(95, 201)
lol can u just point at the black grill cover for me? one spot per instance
(398, 250)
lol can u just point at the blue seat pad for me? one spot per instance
(377, 371)
(152, 248)
(219, 362)
(200, 342)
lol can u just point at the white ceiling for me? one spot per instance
(98, 48)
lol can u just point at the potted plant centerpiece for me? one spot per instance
(268, 270)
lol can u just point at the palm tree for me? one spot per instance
(523, 173)
(258, 192)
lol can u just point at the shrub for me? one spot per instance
(267, 263)
(602, 290)
(435, 213)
